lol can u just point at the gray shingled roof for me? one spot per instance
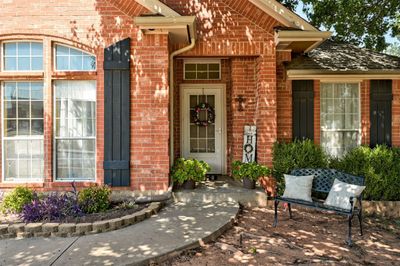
(343, 57)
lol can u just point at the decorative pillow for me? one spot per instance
(298, 187)
(340, 193)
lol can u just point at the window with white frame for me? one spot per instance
(340, 117)
(23, 156)
(71, 59)
(202, 70)
(75, 130)
(23, 56)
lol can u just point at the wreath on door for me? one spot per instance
(203, 107)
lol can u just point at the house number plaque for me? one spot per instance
(249, 145)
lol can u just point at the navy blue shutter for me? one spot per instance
(117, 114)
(303, 109)
(381, 112)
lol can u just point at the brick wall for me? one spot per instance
(93, 25)
(365, 110)
(243, 33)
(284, 96)
(396, 113)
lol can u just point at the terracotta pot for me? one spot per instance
(249, 183)
(189, 184)
(269, 185)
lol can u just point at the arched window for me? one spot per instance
(71, 59)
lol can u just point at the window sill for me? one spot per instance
(8, 184)
(74, 75)
(21, 75)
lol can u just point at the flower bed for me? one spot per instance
(50, 229)
(27, 213)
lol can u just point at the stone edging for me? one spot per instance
(22, 230)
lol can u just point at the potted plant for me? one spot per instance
(249, 173)
(187, 172)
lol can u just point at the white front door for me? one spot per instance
(204, 142)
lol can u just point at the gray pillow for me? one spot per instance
(340, 193)
(298, 187)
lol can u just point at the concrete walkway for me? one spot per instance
(179, 226)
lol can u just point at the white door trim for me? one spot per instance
(222, 88)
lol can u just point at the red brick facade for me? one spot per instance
(235, 31)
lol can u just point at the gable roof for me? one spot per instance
(283, 14)
(343, 58)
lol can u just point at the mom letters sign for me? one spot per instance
(249, 144)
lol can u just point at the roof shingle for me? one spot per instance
(343, 57)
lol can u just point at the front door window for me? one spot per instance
(202, 137)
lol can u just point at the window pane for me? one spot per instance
(76, 63)
(24, 90)
(23, 109)
(24, 49)
(37, 63)
(190, 67)
(73, 59)
(62, 62)
(10, 91)
(89, 63)
(213, 67)
(62, 50)
(190, 75)
(202, 71)
(37, 109)
(10, 49)
(23, 117)
(10, 63)
(23, 56)
(10, 109)
(75, 159)
(37, 91)
(37, 127)
(202, 67)
(24, 127)
(214, 75)
(75, 117)
(23, 160)
(201, 75)
(11, 128)
(24, 63)
(37, 49)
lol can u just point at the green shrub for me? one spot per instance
(252, 170)
(380, 167)
(17, 199)
(189, 169)
(94, 199)
(296, 154)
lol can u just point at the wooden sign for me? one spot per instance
(249, 145)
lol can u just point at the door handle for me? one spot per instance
(219, 130)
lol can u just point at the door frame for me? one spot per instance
(224, 140)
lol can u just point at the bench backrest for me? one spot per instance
(323, 178)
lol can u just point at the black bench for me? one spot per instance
(322, 183)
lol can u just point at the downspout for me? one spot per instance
(171, 95)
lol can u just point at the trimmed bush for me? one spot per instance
(296, 154)
(17, 199)
(95, 199)
(380, 167)
(189, 169)
(251, 170)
